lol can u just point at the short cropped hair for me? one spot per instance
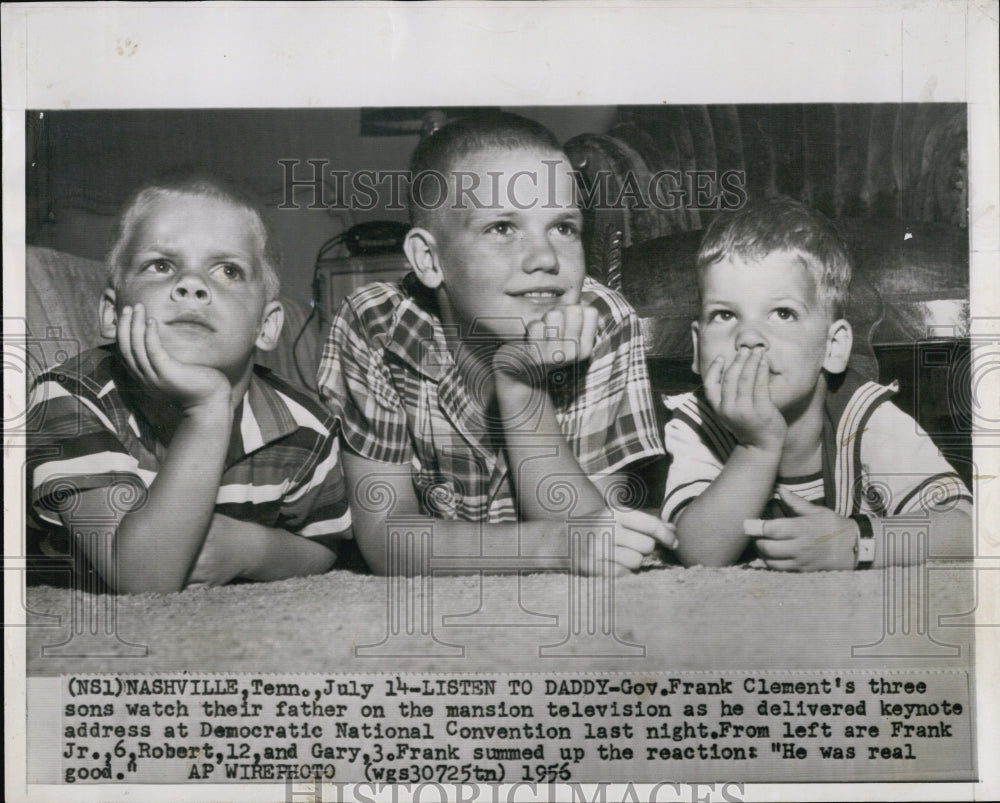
(782, 224)
(438, 153)
(207, 184)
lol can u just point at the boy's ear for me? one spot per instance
(272, 320)
(839, 342)
(694, 342)
(109, 314)
(421, 250)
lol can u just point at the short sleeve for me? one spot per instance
(613, 422)
(904, 471)
(317, 506)
(75, 446)
(357, 387)
(694, 465)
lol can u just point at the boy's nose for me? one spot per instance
(190, 285)
(750, 336)
(542, 256)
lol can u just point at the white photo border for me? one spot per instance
(226, 54)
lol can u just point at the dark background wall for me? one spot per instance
(81, 165)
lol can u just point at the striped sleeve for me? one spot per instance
(355, 382)
(76, 446)
(317, 506)
(904, 472)
(698, 446)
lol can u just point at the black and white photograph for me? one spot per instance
(500, 401)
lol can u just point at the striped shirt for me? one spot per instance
(388, 376)
(282, 466)
(876, 459)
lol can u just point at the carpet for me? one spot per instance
(663, 619)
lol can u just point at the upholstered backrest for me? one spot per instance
(911, 282)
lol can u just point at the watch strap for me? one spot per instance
(864, 547)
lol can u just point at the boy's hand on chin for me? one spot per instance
(564, 336)
(741, 395)
(816, 538)
(190, 386)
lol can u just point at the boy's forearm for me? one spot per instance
(539, 457)
(279, 554)
(458, 545)
(710, 529)
(156, 544)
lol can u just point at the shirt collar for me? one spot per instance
(417, 336)
(261, 417)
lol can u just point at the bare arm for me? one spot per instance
(156, 542)
(710, 529)
(382, 491)
(543, 465)
(235, 548)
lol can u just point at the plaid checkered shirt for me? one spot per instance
(388, 376)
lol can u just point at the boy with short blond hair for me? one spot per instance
(202, 467)
(495, 382)
(784, 448)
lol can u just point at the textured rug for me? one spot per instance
(662, 619)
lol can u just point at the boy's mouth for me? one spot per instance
(540, 294)
(191, 319)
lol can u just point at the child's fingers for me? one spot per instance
(124, 338)
(569, 339)
(588, 331)
(798, 505)
(647, 525)
(670, 540)
(158, 357)
(555, 324)
(774, 529)
(572, 321)
(535, 330)
(629, 558)
(762, 383)
(748, 375)
(731, 376)
(712, 382)
(139, 333)
(776, 550)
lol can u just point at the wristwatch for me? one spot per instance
(864, 546)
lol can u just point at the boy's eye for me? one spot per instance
(156, 266)
(720, 316)
(786, 314)
(568, 229)
(501, 227)
(232, 272)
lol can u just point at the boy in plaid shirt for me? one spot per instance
(495, 380)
